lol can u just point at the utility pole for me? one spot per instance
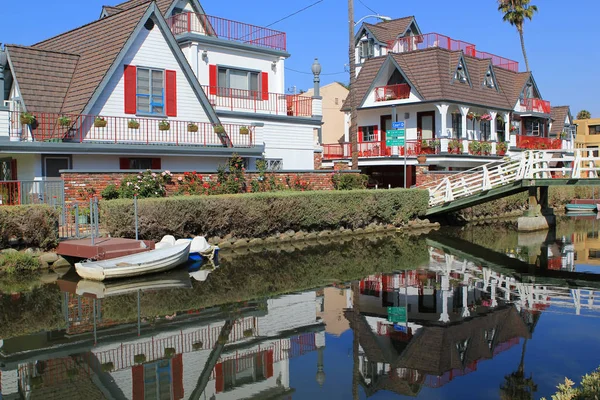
(352, 65)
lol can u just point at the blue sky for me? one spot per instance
(561, 41)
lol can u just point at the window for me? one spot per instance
(274, 164)
(337, 101)
(53, 164)
(460, 74)
(485, 130)
(140, 164)
(367, 133)
(367, 48)
(238, 83)
(150, 91)
(533, 127)
(457, 125)
(489, 79)
(594, 129)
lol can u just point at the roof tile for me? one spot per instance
(387, 31)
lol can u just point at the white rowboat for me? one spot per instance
(148, 262)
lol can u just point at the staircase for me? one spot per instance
(511, 175)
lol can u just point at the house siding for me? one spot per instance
(150, 49)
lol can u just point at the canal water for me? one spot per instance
(477, 312)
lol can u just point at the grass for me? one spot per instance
(18, 263)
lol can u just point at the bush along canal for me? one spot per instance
(465, 312)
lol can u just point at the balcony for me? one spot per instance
(413, 148)
(535, 105)
(75, 128)
(538, 143)
(392, 92)
(420, 42)
(259, 102)
(225, 29)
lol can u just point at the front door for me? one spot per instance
(426, 125)
(386, 124)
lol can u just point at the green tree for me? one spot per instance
(515, 12)
(584, 114)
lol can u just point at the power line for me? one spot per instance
(294, 13)
(368, 8)
(310, 73)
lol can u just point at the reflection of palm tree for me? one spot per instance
(355, 345)
(516, 386)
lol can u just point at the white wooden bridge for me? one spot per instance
(522, 172)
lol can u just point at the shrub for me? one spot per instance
(35, 225)
(349, 181)
(18, 263)
(262, 214)
(589, 389)
(145, 184)
(110, 192)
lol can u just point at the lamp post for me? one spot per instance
(352, 66)
(316, 70)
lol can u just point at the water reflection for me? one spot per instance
(219, 337)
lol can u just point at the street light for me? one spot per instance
(351, 59)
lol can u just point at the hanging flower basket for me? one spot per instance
(100, 122)
(64, 121)
(164, 125)
(219, 129)
(27, 118)
(192, 127)
(133, 124)
(244, 130)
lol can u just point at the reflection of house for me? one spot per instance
(335, 300)
(216, 356)
(587, 248)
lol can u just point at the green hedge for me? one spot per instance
(559, 196)
(35, 225)
(262, 214)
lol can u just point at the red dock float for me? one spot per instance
(102, 248)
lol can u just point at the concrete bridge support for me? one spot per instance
(539, 216)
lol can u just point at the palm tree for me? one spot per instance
(516, 385)
(515, 12)
(584, 114)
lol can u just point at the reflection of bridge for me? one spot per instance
(527, 171)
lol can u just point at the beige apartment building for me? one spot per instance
(333, 95)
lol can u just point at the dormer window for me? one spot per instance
(489, 79)
(460, 74)
(367, 48)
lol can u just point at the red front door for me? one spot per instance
(426, 125)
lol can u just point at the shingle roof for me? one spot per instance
(44, 77)
(110, 10)
(387, 31)
(431, 72)
(97, 45)
(558, 114)
(163, 5)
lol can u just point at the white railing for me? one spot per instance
(527, 165)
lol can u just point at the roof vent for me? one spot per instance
(149, 24)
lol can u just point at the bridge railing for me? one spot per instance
(528, 165)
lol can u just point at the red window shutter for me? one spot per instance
(137, 375)
(177, 374)
(360, 134)
(375, 133)
(265, 85)
(156, 163)
(123, 163)
(212, 79)
(220, 378)
(130, 89)
(171, 92)
(13, 170)
(269, 363)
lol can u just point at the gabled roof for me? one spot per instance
(386, 31)
(163, 5)
(559, 114)
(97, 44)
(431, 72)
(107, 11)
(43, 77)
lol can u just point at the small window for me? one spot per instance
(367, 48)
(337, 101)
(150, 91)
(489, 79)
(456, 125)
(140, 164)
(486, 128)
(460, 74)
(368, 133)
(238, 83)
(53, 165)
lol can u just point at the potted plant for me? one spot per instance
(564, 135)
(64, 121)
(192, 127)
(421, 158)
(27, 118)
(139, 358)
(164, 125)
(244, 130)
(170, 352)
(133, 124)
(486, 117)
(475, 147)
(219, 129)
(501, 148)
(100, 122)
(428, 146)
(486, 148)
(455, 146)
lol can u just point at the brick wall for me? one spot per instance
(424, 176)
(318, 160)
(76, 183)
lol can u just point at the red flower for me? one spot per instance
(236, 179)
(186, 173)
(206, 185)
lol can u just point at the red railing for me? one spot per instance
(227, 29)
(49, 127)
(412, 148)
(257, 101)
(420, 42)
(392, 92)
(538, 143)
(10, 193)
(536, 105)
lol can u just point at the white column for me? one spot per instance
(445, 317)
(493, 292)
(193, 57)
(465, 300)
(443, 110)
(494, 135)
(463, 112)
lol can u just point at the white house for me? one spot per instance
(151, 84)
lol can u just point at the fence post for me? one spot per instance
(91, 221)
(135, 212)
(77, 220)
